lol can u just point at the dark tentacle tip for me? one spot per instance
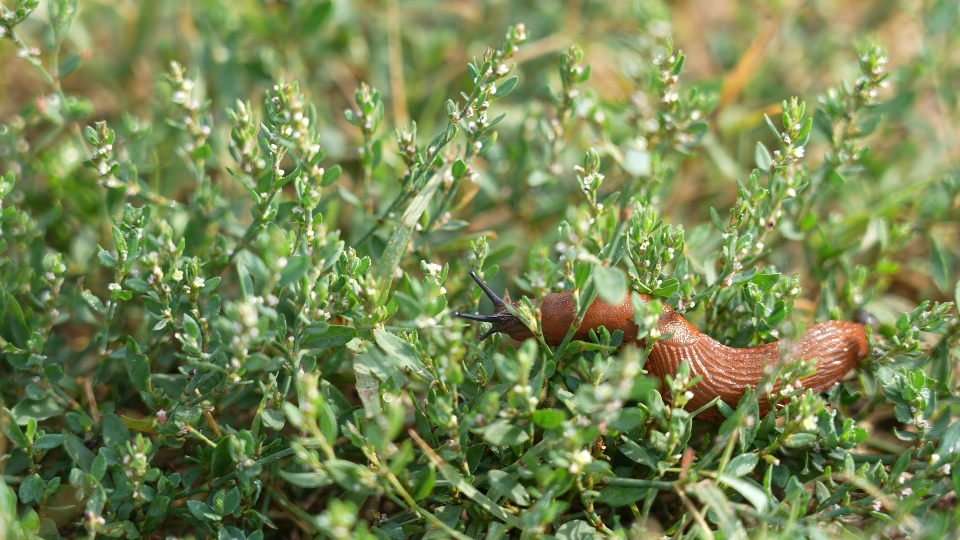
(497, 301)
(499, 319)
(866, 318)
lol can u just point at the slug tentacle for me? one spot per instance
(501, 319)
(725, 371)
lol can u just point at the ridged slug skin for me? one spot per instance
(838, 347)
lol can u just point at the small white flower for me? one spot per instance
(580, 458)
(114, 286)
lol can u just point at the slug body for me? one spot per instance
(726, 372)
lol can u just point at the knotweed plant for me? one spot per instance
(227, 289)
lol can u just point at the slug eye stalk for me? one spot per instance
(497, 301)
(501, 319)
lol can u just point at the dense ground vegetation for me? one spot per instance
(233, 235)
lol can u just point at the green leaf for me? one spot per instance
(715, 217)
(31, 489)
(203, 152)
(17, 330)
(192, 329)
(138, 367)
(99, 467)
(636, 452)
(835, 178)
(460, 483)
(868, 124)
(222, 461)
(273, 419)
(114, 432)
(78, 452)
(91, 135)
(12, 430)
(766, 281)
(617, 496)
(576, 530)
(749, 490)
(667, 288)
(742, 464)
(231, 501)
(770, 125)
(330, 176)
(307, 479)
(799, 440)
(744, 276)
(611, 284)
(423, 482)
(329, 336)
(210, 285)
(368, 389)
(939, 267)
(503, 433)
(403, 351)
(295, 269)
(506, 87)
(315, 18)
(804, 134)
(459, 168)
(106, 258)
(202, 511)
(950, 441)
(762, 156)
(716, 500)
(48, 441)
(383, 273)
(37, 409)
(350, 476)
(548, 418)
(508, 485)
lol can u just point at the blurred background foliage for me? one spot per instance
(753, 53)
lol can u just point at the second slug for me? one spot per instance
(838, 346)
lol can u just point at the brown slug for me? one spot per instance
(726, 371)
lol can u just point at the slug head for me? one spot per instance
(501, 318)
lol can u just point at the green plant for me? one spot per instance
(230, 320)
